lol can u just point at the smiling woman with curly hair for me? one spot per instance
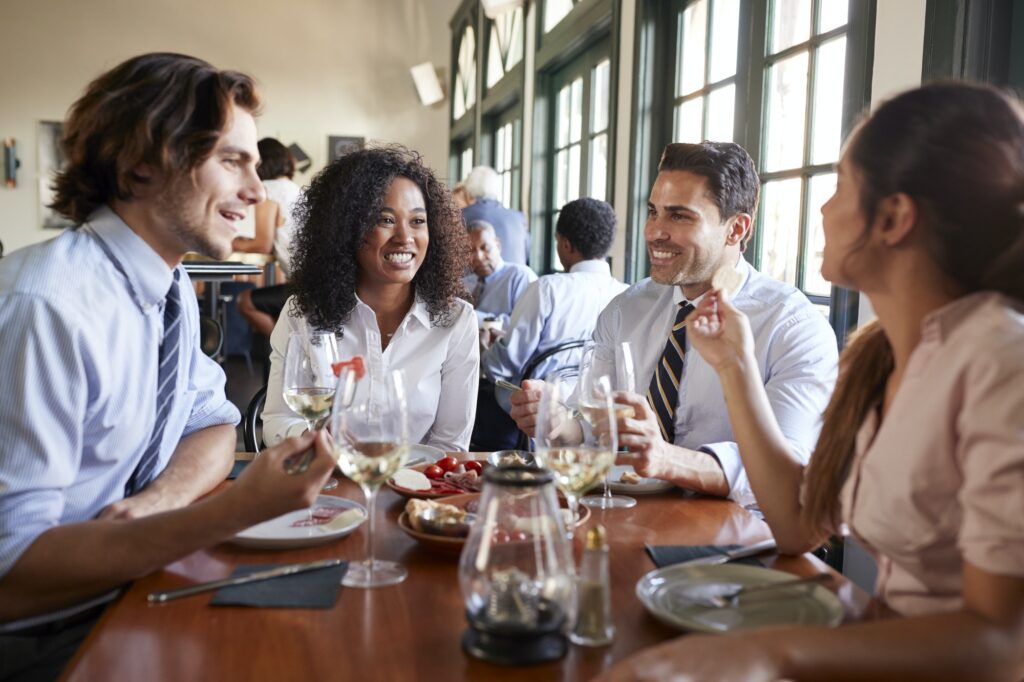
(377, 258)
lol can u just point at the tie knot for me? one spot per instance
(685, 307)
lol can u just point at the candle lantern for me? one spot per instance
(516, 571)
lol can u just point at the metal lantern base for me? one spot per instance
(506, 645)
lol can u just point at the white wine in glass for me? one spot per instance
(369, 434)
(591, 406)
(309, 382)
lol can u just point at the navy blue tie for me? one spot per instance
(663, 393)
(166, 383)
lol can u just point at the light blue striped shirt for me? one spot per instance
(79, 358)
(502, 288)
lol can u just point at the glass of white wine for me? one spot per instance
(577, 466)
(309, 380)
(592, 367)
(370, 439)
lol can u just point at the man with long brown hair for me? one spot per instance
(115, 423)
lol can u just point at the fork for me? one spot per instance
(731, 598)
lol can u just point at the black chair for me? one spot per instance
(563, 371)
(211, 336)
(252, 422)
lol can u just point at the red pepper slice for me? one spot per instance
(357, 364)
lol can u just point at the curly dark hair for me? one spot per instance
(163, 109)
(336, 211)
(589, 225)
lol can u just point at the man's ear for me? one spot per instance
(895, 218)
(737, 228)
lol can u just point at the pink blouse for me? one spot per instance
(941, 480)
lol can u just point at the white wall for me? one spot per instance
(327, 67)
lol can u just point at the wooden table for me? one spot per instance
(406, 632)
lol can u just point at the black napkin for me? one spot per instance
(238, 468)
(307, 590)
(666, 555)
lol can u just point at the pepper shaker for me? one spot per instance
(593, 593)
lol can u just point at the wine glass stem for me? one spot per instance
(607, 487)
(574, 514)
(371, 509)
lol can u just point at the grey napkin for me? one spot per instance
(666, 555)
(308, 590)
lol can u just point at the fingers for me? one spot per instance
(525, 405)
(290, 446)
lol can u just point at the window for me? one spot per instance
(783, 78)
(464, 96)
(461, 160)
(505, 48)
(555, 11)
(507, 155)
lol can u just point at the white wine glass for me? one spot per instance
(578, 463)
(309, 381)
(369, 433)
(594, 366)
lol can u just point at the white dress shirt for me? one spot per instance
(441, 366)
(554, 309)
(501, 289)
(796, 355)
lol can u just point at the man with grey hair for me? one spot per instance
(483, 184)
(494, 285)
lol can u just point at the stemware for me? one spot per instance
(592, 368)
(577, 466)
(370, 440)
(309, 380)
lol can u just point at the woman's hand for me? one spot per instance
(695, 658)
(720, 332)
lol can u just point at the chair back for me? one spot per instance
(211, 336)
(252, 422)
(567, 368)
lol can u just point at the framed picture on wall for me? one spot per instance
(51, 160)
(339, 146)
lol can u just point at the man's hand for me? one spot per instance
(525, 404)
(641, 435)
(265, 490)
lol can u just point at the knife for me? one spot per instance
(291, 569)
(739, 553)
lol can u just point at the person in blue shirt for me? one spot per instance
(494, 285)
(115, 423)
(556, 308)
(483, 185)
(700, 215)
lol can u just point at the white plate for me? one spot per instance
(664, 593)
(428, 453)
(646, 486)
(279, 533)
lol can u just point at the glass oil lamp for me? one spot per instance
(516, 570)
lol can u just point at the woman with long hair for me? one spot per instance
(378, 258)
(921, 454)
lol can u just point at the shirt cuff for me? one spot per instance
(728, 456)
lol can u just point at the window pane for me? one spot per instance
(554, 12)
(564, 113)
(515, 46)
(467, 65)
(599, 167)
(576, 117)
(495, 70)
(689, 120)
(780, 225)
(458, 101)
(506, 189)
(693, 24)
(599, 106)
(725, 29)
(509, 157)
(561, 178)
(573, 189)
(499, 149)
(833, 14)
(819, 189)
(721, 113)
(791, 23)
(830, 72)
(787, 98)
(467, 161)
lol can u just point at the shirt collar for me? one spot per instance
(498, 268)
(148, 275)
(418, 311)
(743, 267)
(939, 324)
(598, 266)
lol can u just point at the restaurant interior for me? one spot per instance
(563, 99)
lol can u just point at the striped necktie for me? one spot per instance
(166, 375)
(663, 393)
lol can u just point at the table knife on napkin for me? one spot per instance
(291, 569)
(739, 553)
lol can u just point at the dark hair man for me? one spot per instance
(699, 218)
(114, 421)
(554, 309)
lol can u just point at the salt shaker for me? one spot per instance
(593, 593)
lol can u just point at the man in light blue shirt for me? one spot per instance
(699, 220)
(114, 421)
(494, 284)
(483, 185)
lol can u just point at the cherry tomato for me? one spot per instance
(501, 535)
(433, 471)
(473, 465)
(517, 536)
(448, 463)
